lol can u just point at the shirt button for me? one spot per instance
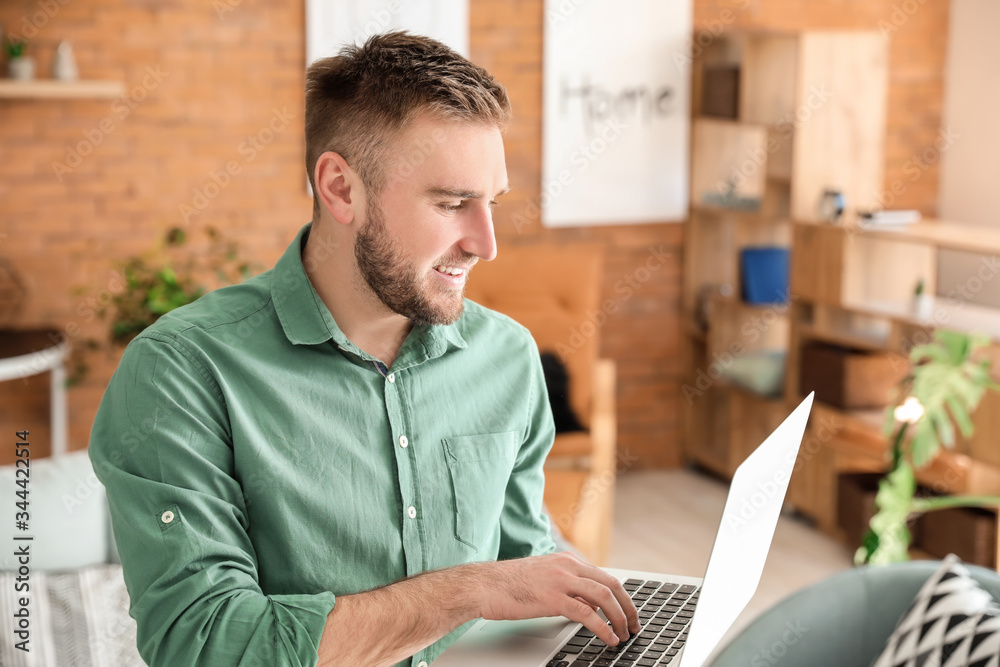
(391, 377)
(403, 442)
(411, 512)
(421, 664)
(167, 517)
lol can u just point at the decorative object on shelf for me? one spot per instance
(889, 218)
(923, 303)
(831, 206)
(12, 292)
(722, 174)
(730, 198)
(945, 386)
(764, 275)
(762, 372)
(153, 288)
(19, 66)
(64, 65)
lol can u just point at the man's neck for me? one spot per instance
(363, 319)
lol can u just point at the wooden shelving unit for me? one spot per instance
(753, 172)
(853, 288)
(809, 115)
(49, 89)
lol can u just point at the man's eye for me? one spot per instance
(451, 208)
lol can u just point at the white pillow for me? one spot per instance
(67, 515)
(77, 619)
(952, 622)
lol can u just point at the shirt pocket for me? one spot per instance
(479, 467)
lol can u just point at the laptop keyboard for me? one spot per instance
(665, 612)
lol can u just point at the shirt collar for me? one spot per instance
(307, 321)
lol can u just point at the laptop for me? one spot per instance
(683, 618)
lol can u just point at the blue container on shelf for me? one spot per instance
(764, 274)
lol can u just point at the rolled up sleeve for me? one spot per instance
(161, 444)
(525, 529)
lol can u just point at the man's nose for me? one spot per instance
(480, 239)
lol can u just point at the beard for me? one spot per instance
(396, 282)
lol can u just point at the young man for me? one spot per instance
(340, 460)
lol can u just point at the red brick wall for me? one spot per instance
(204, 77)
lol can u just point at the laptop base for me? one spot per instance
(520, 643)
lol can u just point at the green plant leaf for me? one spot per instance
(890, 538)
(929, 352)
(943, 427)
(949, 385)
(960, 414)
(154, 287)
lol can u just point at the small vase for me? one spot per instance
(21, 69)
(64, 65)
(923, 306)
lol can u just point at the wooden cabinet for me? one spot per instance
(870, 306)
(809, 116)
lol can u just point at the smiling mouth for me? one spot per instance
(452, 271)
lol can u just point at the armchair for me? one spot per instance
(554, 291)
(842, 621)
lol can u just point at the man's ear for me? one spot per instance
(338, 187)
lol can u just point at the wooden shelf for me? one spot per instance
(736, 302)
(52, 89)
(966, 317)
(747, 213)
(843, 337)
(860, 436)
(723, 383)
(937, 233)
(870, 421)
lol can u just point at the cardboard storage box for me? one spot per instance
(967, 532)
(850, 379)
(720, 93)
(856, 505)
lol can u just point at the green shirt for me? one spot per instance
(258, 463)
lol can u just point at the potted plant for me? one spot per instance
(19, 65)
(152, 287)
(945, 386)
(923, 303)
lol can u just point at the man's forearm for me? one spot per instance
(389, 624)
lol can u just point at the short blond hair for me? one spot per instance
(358, 101)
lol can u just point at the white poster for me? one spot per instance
(332, 24)
(615, 112)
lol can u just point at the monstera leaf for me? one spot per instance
(949, 386)
(888, 538)
(946, 384)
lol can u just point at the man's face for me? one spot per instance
(433, 219)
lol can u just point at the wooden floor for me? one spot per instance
(666, 520)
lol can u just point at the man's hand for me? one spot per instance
(557, 584)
